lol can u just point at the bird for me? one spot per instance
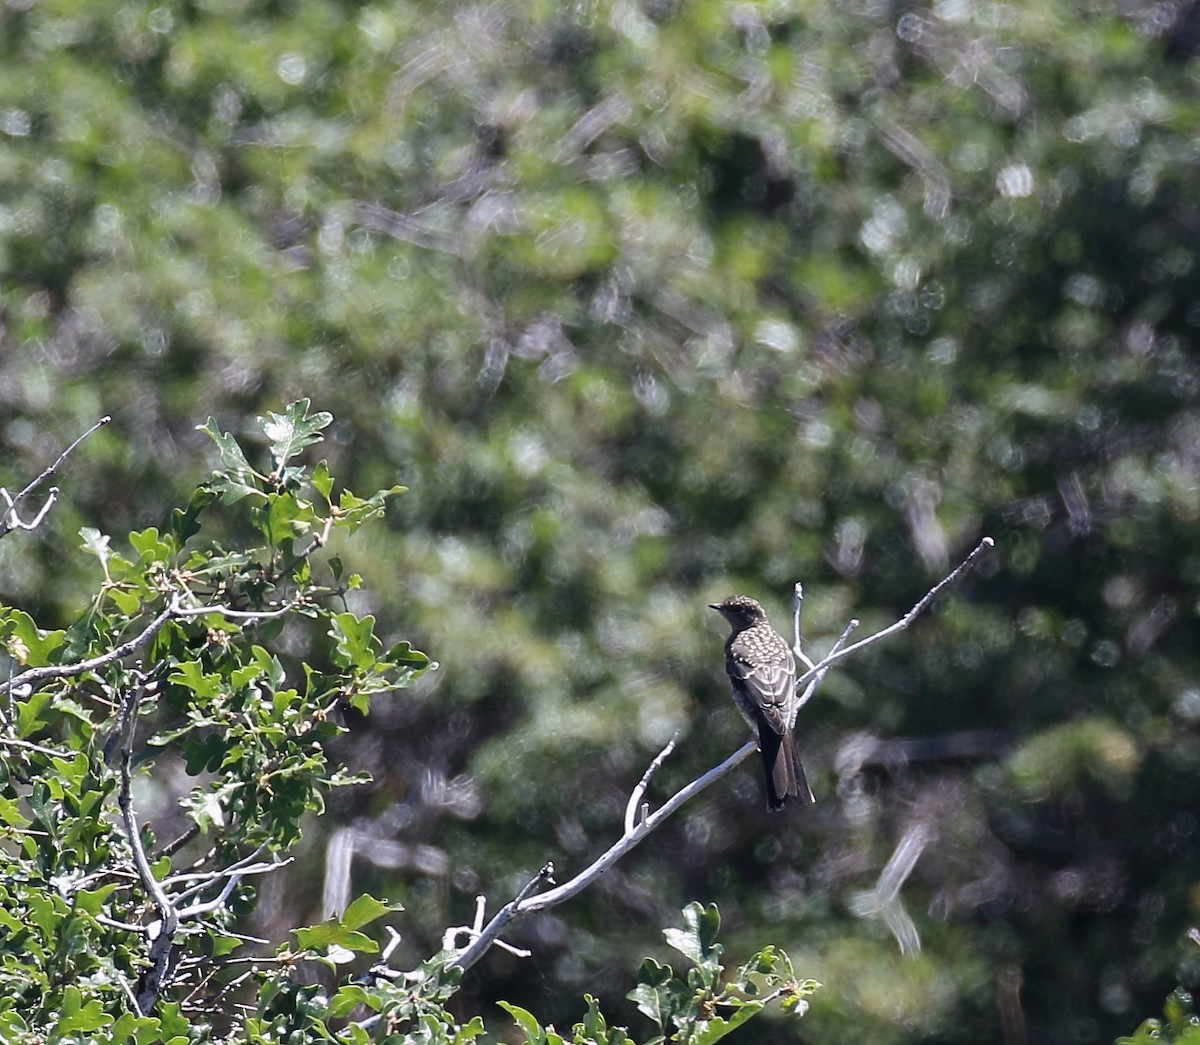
(762, 671)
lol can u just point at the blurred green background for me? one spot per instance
(648, 303)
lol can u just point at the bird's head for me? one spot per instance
(741, 611)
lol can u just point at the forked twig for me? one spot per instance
(10, 520)
(921, 606)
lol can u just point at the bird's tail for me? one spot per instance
(784, 773)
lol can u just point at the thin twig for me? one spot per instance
(129, 994)
(822, 669)
(10, 521)
(7, 717)
(234, 871)
(129, 927)
(394, 939)
(797, 604)
(207, 878)
(922, 605)
(160, 949)
(172, 847)
(635, 798)
(217, 902)
(319, 540)
(246, 615)
(173, 609)
(28, 746)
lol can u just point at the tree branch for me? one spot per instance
(59, 671)
(635, 799)
(922, 604)
(172, 609)
(10, 520)
(160, 949)
(523, 906)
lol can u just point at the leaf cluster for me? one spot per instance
(699, 1005)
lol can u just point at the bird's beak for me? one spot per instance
(715, 606)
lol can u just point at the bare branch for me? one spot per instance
(170, 913)
(884, 900)
(10, 520)
(635, 799)
(172, 847)
(207, 878)
(319, 540)
(521, 908)
(237, 871)
(160, 949)
(820, 671)
(797, 605)
(173, 609)
(219, 900)
(545, 874)
(923, 604)
(243, 615)
(27, 746)
(58, 671)
(394, 939)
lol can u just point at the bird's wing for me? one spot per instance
(772, 686)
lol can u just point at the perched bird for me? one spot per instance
(763, 673)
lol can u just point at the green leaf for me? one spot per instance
(342, 932)
(150, 546)
(96, 543)
(349, 997)
(26, 642)
(29, 713)
(322, 481)
(239, 479)
(592, 1026)
(526, 1021)
(74, 1015)
(366, 909)
(126, 601)
(333, 934)
(353, 511)
(223, 945)
(469, 1031)
(357, 646)
(293, 430)
(717, 1027)
(697, 938)
(91, 901)
(10, 813)
(285, 517)
(653, 994)
(403, 653)
(193, 677)
(184, 524)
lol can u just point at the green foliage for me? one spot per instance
(688, 1008)
(84, 707)
(1179, 1025)
(111, 936)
